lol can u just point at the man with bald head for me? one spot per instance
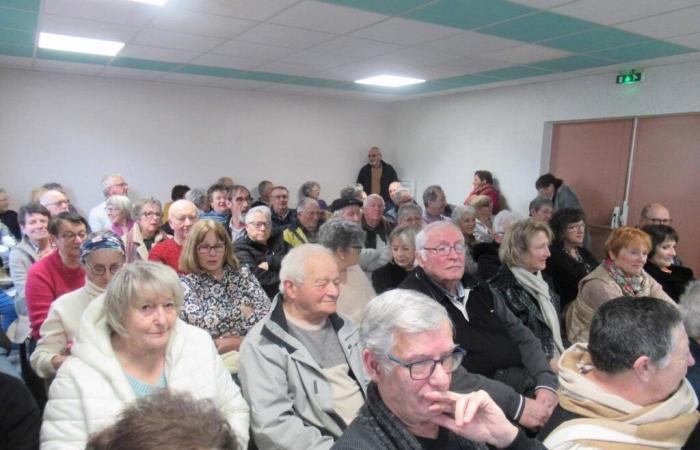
(55, 201)
(655, 214)
(376, 176)
(112, 184)
(181, 216)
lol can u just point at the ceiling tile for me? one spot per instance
(365, 69)
(387, 7)
(648, 50)
(159, 54)
(666, 25)
(596, 39)
(200, 23)
(18, 20)
(542, 4)
(209, 71)
(15, 62)
(118, 12)
(144, 64)
(405, 32)
(357, 47)
(261, 76)
(577, 62)
(178, 41)
(689, 40)
(188, 78)
(526, 54)
(252, 50)
(87, 28)
(288, 68)
(414, 57)
(232, 62)
(468, 14)
(67, 67)
(282, 36)
(303, 90)
(469, 43)
(471, 64)
(319, 60)
(16, 38)
(325, 17)
(245, 9)
(608, 12)
(515, 72)
(26, 5)
(234, 83)
(136, 74)
(537, 27)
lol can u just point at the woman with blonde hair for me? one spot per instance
(484, 218)
(620, 274)
(220, 297)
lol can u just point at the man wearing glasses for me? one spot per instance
(655, 214)
(498, 345)
(282, 216)
(410, 356)
(112, 184)
(56, 202)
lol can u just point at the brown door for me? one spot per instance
(592, 158)
(666, 169)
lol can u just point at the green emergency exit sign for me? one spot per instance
(629, 78)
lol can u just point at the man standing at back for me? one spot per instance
(112, 184)
(376, 176)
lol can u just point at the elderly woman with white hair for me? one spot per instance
(465, 218)
(118, 209)
(102, 255)
(486, 253)
(346, 239)
(131, 344)
(690, 309)
(146, 232)
(519, 282)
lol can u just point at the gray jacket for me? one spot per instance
(22, 256)
(290, 399)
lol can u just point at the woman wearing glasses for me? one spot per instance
(102, 255)
(220, 296)
(620, 274)
(118, 209)
(570, 261)
(262, 248)
(146, 214)
(519, 282)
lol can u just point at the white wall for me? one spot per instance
(74, 129)
(443, 140)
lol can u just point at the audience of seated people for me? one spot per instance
(220, 295)
(283, 314)
(262, 248)
(661, 261)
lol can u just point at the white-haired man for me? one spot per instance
(112, 184)
(181, 217)
(409, 354)
(626, 389)
(301, 368)
(56, 202)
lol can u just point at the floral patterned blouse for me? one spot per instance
(230, 305)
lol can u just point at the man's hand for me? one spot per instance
(474, 416)
(535, 414)
(228, 342)
(548, 399)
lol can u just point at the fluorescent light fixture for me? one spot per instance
(390, 81)
(78, 44)
(152, 2)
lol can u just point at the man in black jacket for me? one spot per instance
(498, 345)
(376, 176)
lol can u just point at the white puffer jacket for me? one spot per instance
(91, 389)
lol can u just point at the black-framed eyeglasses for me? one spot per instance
(422, 370)
(659, 221)
(444, 249)
(100, 270)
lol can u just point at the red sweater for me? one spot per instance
(168, 252)
(47, 280)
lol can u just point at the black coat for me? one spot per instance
(251, 254)
(674, 283)
(388, 177)
(566, 272)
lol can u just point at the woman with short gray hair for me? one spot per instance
(465, 218)
(311, 189)
(147, 216)
(131, 344)
(346, 239)
(690, 309)
(519, 282)
(118, 209)
(402, 242)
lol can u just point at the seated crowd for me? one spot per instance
(369, 322)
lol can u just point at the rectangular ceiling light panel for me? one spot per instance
(77, 44)
(389, 81)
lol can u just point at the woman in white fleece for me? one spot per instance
(130, 344)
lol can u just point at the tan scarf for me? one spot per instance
(610, 421)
